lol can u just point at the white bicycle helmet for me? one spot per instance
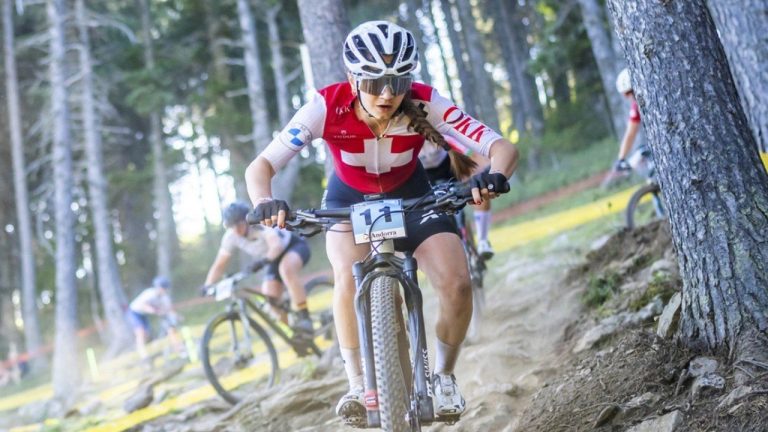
(366, 45)
(623, 83)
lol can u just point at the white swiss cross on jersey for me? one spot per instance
(377, 156)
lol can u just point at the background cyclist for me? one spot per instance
(155, 300)
(375, 126)
(436, 162)
(284, 254)
(624, 86)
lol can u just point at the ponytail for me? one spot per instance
(461, 165)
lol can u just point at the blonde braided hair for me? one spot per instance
(461, 165)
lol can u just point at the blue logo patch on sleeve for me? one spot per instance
(297, 135)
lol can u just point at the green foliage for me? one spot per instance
(661, 284)
(601, 288)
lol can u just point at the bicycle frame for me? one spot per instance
(383, 262)
(241, 306)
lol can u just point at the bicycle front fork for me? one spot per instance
(421, 397)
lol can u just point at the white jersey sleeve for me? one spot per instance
(306, 125)
(450, 120)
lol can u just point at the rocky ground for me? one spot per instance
(577, 336)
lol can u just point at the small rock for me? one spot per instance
(141, 399)
(735, 396)
(669, 316)
(596, 334)
(637, 404)
(665, 423)
(708, 383)
(600, 242)
(664, 266)
(701, 366)
(606, 415)
(648, 311)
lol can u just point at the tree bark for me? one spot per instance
(165, 235)
(468, 91)
(257, 102)
(607, 64)
(325, 26)
(24, 219)
(743, 26)
(285, 181)
(436, 38)
(714, 187)
(414, 14)
(237, 155)
(65, 376)
(486, 97)
(109, 284)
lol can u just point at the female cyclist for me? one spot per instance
(375, 124)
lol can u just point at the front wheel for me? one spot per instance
(644, 205)
(393, 395)
(230, 362)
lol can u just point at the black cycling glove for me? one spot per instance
(494, 182)
(267, 209)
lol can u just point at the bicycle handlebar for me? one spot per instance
(444, 197)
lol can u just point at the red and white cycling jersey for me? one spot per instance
(362, 161)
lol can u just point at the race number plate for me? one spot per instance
(378, 220)
(224, 289)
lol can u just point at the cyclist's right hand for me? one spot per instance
(269, 212)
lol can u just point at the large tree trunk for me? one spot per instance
(65, 374)
(468, 90)
(24, 219)
(285, 181)
(486, 100)
(165, 234)
(743, 26)
(110, 286)
(260, 119)
(238, 157)
(436, 39)
(325, 26)
(608, 65)
(714, 188)
(414, 14)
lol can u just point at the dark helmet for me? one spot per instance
(235, 213)
(161, 282)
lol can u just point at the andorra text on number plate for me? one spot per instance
(378, 220)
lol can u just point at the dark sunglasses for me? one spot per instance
(397, 84)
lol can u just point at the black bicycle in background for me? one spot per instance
(398, 393)
(645, 204)
(234, 354)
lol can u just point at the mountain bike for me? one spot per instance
(233, 353)
(397, 381)
(645, 204)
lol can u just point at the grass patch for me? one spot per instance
(661, 284)
(601, 288)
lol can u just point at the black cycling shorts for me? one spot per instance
(419, 225)
(297, 245)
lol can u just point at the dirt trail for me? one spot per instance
(528, 310)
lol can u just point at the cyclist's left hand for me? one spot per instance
(486, 186)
